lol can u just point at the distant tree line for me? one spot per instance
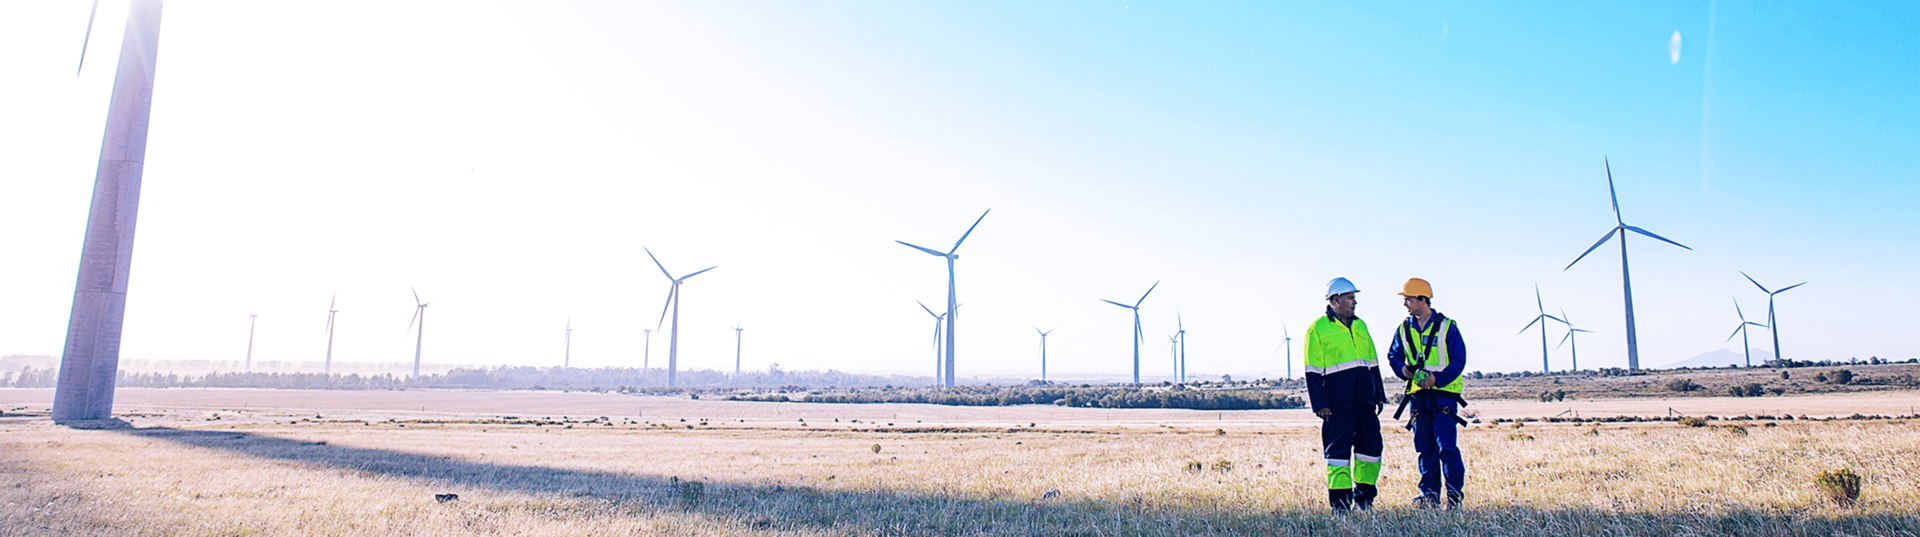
(1084, 396)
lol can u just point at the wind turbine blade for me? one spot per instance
(698, 273)
(1143, 296)
(1650, 234)
(1596, 246)
(1179, 323)
(1583, 330)
(1758, 324)
(1736, 332)
(930, 252)
(1537, 303)
(663, 309)
(1562, 321)
(923, 306)
(1736, 310)
(1565, 319)
(963, 236)
(1610, 192)
(1783, 290)
(1116, 303)
(1563, 340)
(1536, 320)
(416, 316)
(87, 38)
(1756, 283)
(335, 300)
(416, 295)
(656, 262)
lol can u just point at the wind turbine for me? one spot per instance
(419, 314)
(1626, 278)
(1173, 349)
(567, 360)
(646, 355)
(1742, 332)
(1043, 351)
(1541, 319)
(1137, 335)
(952, 305)
(939, 375)
(1182, 325)
(673, 301)
(90, 360)
(328, 368)
(252, 322)
(1289, 345)
(1570, 339)
(1774, 327)
(736, 349)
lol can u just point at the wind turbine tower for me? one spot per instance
(1773, 324)
(939, 365)
(952, 304)
(328, 368)
(1138, 336)
(1182, 325)
(1288, 342)
(673, 301)
(1571, 329)
(1742, 332)
(1043, 351)
(646, 354)
(736, 349)
(420, 337)
(253, 321)
(90, 360)
(566, 361)
(1545, 366)
(1626, 277)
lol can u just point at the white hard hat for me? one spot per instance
(1340, 286)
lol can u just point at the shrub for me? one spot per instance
(1842, 486)
(1735, 429)
(1222, 466)
(1693, 421)
(1840, 376)
(1786, 375)
(1555, 395)
(1519, 437)
(875, 448)
(1682, 385)
(1195, 467)
(1746, 390)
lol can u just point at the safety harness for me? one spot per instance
(1418, 348)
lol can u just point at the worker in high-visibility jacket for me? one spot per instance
(1428, 353)
(1344, 386)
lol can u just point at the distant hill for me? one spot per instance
(1722, 358)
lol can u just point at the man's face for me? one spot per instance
(1415, 306)
(1343, 303)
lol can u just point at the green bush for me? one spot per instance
(1693, 421)
(1842, 486)
(1840, 376)
(1682, 385)
(1746, 390)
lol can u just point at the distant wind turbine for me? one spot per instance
(1742, 332)
(673, 301)
(252, 321)
(1773, 323)
(1626, 278)
(1545, 367)
(1288, 343)
(1570, 339)
(939, 367)
(419, 314)
(1182, 325)
(1137, 335)
(646, 354)
(736, 349)
(1173, 350)
(328, 368)
(952, 303)
(567, 360)
(1043, 351)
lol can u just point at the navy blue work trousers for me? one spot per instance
(1436, 438)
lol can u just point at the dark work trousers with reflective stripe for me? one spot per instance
(1435, 437)
(1352, 436)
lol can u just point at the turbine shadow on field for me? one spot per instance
(767, 506)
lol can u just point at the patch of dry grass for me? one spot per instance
(194, 477)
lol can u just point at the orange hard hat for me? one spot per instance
(1417, 287)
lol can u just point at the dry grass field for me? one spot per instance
(244, 462)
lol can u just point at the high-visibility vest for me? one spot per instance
(1428, 351)
(1333, 347)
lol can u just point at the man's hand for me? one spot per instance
(1324, 413)
(1426, 382)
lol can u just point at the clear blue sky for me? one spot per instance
(510, 159)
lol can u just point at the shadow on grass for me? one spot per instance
(749, 506)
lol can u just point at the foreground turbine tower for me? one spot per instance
(673, 301)
(1773, 325)
(1137, 335)
(90, 362)
(1626, 278)
(952, 305)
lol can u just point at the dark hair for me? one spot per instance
(1424, 299)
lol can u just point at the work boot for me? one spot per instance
(1340, 499)
(1453, 500)
(1426, 501)
(1363, 495)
